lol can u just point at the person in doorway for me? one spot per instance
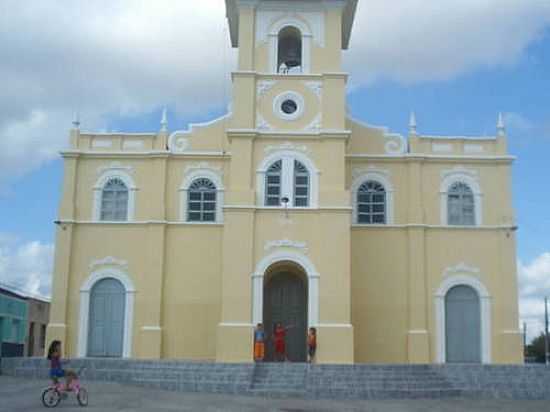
(259, 343)
(56, 370)
(311, 344)
(279, 336)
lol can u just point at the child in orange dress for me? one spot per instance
(259, 343)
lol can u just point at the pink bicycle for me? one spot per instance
(57, 391)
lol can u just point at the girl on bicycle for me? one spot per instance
(56, 370)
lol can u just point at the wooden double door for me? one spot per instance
(285, 302)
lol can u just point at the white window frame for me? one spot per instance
(379, 176)
(468, 177)
(105, 177)
(289, 95)
(287, 179)
(485, 313)
(189, 178)
(85, 291)
(273, 35)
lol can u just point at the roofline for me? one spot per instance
(348, 17)
(14, 292)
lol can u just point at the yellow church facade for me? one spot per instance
(397, 249)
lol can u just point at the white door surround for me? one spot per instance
(485, 309)
(312, 284)
(85, 290)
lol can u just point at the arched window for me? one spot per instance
(289, 52)
(371, 203)
(114, 201)
(201, 201)
(461, 205)
(273, 184)
(301, 185)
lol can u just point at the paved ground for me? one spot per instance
(17, 395)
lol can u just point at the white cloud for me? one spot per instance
(534, 285)
(414, 40)
(26, 266)
(110, 59)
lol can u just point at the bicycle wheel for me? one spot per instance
(51, 398)
(82, 397)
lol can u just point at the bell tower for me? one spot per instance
(292, 43)
(286, 202)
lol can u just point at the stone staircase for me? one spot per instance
(282, 380)
(294, 380)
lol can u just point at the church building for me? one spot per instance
(398, 249)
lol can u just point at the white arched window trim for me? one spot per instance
(312, 278)
(381, 177)
(85, 290)
(468, 178)
(273, 36)
(98, 192)
(189, 178)
(287, 182)
(485, 309)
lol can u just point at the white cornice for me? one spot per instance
(461, 268)
(115, 166)
(135, 154)
(287, 146)
(420, 156)
(475, 138)
(108, 261)
(442, 227)
(116, 134)
(285, 243)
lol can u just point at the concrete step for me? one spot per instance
(286, 380)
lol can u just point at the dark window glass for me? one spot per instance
(460, 205)
(201, 204)
(371, 203)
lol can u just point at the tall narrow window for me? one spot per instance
(461, 205)
(273, 179)
(290, 50)
(114, 201)
(371, 203)
(301, 185)
(201, 201)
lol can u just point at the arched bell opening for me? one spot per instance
(289, 54)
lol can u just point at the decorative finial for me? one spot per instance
(76, 120)
(501, 127)
(164, 121)
(412, 123)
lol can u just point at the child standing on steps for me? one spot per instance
(311, 344)
(279, 336)
(259, 343)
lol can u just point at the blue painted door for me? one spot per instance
(463, 325)
(106, 324)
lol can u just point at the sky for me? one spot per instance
(456, 63)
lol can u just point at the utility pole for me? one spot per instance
(546, 354)
(525, 339)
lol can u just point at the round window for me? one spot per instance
(289, 106)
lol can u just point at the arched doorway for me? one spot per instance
(106, 319)
(462, 325)
(285, 301)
